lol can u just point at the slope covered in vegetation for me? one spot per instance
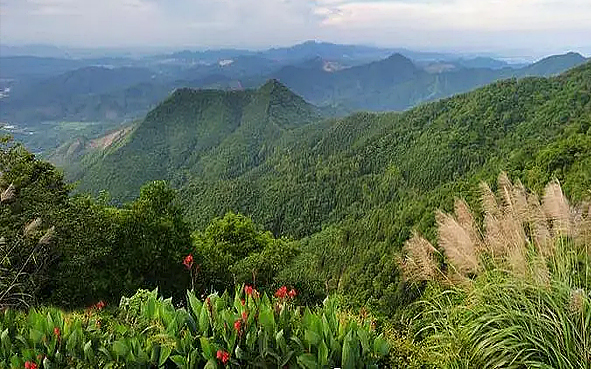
(213, 134)
(341, 199)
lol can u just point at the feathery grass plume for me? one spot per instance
(458, 245)
(539, 272)
(540, 232)
(577, 300)
(557, 209)
(32, 227)
(420, 263)
(8, 194)
(493, 239)
(47, 237)
(466, 220)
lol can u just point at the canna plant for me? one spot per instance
(247, 329)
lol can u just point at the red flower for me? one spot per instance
(56, 332)
(248, 290)
(244, 315)
(281, 292)
(30, 365)
(188, 261)
(100, 305)
(292, 293)
(237, 325)
(223, 356)
(243, 302)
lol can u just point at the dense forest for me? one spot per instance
(267, 209)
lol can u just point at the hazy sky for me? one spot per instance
(467, 25)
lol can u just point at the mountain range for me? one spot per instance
(338, 78)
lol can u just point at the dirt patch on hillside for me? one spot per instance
(109, 139)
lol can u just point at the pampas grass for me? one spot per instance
(527, 302)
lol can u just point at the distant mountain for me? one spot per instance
(207, 133)
(330, 76)
(554, 64)
(482, 62)
(82, 94)
(18, 67)
(396, 83)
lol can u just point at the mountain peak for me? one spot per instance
(274, 86)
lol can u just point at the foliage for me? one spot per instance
(74, 250)
(231, 251)
(247, 329)
(519, 292)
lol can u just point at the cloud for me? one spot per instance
(443, 24)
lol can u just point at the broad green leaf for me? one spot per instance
(381, 347)
(307, 361)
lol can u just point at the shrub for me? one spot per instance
(245, 330)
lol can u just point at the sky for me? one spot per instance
(509, 26)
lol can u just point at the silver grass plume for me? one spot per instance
(47, 237)
(32, 227)
(8, 194)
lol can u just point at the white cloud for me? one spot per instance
(468, 24)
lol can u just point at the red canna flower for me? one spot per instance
(248, 290)
(292, 293)
(237, 325)
(56, 332)
(223, 356)
(30, 365)
(188, 261)
(244, 315)
(100, 305)
(281, 292)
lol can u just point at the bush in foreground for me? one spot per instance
(246, 330)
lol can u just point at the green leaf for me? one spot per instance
(211, 364)
(312, 338)
(120, 348)
(164, 354)
(322, 354)
(381, 347)
(206, 348)
(204, 320)
(307, 361)
(179, 360)
(267, 319)
(348, 354)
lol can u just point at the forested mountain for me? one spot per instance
(354, 222)
(395, 83)
(356, 185)
(199, 133)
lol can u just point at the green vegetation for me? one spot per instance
(517, 292)
(503, 285)
(146, 331)
(209, 133)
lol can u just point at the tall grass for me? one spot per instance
(516, 290)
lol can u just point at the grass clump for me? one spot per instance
(514, 289)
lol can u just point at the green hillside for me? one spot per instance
(356, 186)
(204, 134)
(352, 248)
